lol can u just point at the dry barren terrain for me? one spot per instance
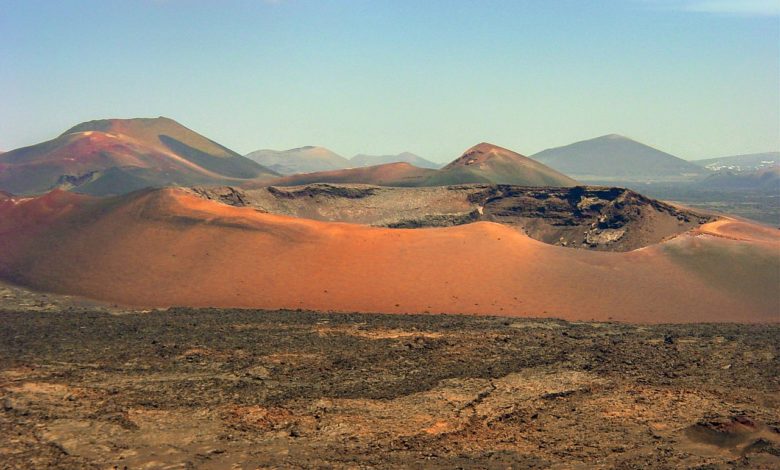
(186, 388)
(173, 247)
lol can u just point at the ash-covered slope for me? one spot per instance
(113, 156)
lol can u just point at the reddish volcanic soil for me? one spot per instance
(169, 247)
(116, 156)
(82, 152)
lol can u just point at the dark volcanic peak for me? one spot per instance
(486, 162)
(480, 153)
(155, 131)
(616, 157)
(143, 152)
(105, 125)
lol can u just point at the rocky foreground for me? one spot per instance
(83, 388)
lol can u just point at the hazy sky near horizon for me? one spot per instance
(695, 78)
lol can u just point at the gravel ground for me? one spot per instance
(186, 388)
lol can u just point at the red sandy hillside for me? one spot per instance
(169, 247)
(502, 166)
(115, 156)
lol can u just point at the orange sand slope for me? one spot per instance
(169, 247)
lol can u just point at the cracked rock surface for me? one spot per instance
(214, 388)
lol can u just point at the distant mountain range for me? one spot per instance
(483, 163)
(299, 160)
(754, 171)
(617, 158)
(766, 178)
(747, 162)
(116, 156)
(407, 157)
(312, 159)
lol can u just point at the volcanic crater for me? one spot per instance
(587, 217)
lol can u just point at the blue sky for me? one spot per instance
(694, 78)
